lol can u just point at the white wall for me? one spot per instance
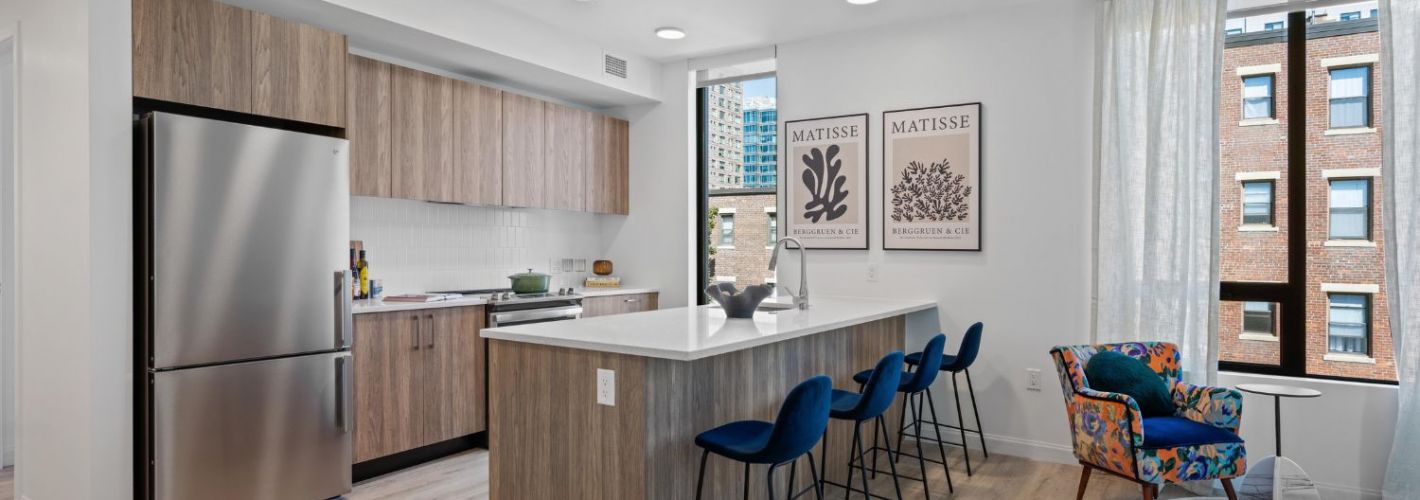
(418, 247)
(653, 246)
(75, 248)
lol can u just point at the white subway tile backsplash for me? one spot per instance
(416, 246)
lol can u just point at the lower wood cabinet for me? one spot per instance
(619, 304)
(419, 379)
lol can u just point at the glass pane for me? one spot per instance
(1347, 323)
(1257, 202)
(1349, 82)
(1348, 112)
(1247, 332)
(1257, 96)
(1350, 209)
(1254, 229)
(743, 178)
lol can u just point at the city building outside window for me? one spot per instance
(1350, 16)
(1350, 207)
(1234, 31)
(1348, 323)
(773, 229)
(1258, 97)
(1350, 97)
(1257, 203)
(727, 229)
(1273, 26)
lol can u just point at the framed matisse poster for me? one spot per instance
(827, 182)
(932, 178)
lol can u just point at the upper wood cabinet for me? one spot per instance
(608, 176)
(422, 139)
(299, 71)
(192, 52)
(368, 125)
(523, 151)
(566, 138)
(210, 54)
(478, 144)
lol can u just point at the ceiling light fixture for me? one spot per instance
(670, 33)
(862, 2)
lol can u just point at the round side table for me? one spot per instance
(1276, 477)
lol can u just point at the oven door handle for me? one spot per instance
(512, 317)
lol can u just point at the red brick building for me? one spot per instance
(1347, 324)
(744, 235)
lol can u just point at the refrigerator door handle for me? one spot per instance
(342, 309)
(342, 392)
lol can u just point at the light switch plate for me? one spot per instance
(1033, 379)
(872, 272)
(606, 387)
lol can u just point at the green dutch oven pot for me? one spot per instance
(530, 282)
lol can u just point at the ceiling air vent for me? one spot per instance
(614, 66)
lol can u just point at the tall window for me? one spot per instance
(737, 125)
(1348, 323)
(1302, 277)
(1350, 207)
(1351, 97)
(1257, 203)
(1257, 97)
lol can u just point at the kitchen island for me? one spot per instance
(678, 372)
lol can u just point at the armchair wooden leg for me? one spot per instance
(1084, 481)
(1228, 488)
(1148, 492)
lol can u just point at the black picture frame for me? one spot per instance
(980, 179)
(785, 220)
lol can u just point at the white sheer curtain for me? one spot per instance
(1156, 188)
(1400, 33)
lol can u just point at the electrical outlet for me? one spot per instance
(1033, 379)
(872, 272)
(606, 387)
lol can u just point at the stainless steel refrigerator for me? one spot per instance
(243, 311)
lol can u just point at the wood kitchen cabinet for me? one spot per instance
(419, 379)
(608, 177)
(523, 153)
(211, 54)
(607, 305)
(566, 138)
(421, 147)
(478, 144)
(193, 52)
(368, 125)
(298, 70)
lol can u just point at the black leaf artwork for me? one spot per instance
(825, 185)
(930, 193)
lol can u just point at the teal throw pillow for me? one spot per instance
(1110, 371)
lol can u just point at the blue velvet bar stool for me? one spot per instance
(802, 419)
(912, 387)
(959, 363)
(858, 407)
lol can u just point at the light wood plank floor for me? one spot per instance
(465, 477)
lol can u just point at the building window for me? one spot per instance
(727, 230)
(1350, 214)
(1351, 97)
(1350, 16)
(773, 228)
(1272, 26)
(1257, 97)
(1348, 324)
(1234, 31)
(1259, 318)
(1257, 203)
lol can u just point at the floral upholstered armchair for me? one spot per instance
(1200, 442)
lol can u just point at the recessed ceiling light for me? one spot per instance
(670, 33)
(862, 2)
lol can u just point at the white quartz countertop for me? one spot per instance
(378, 306)
(689, 333)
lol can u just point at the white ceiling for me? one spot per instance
(718, 26)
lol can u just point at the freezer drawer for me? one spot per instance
(274, 429)
(249, 227)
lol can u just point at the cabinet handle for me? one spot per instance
(633, 300)
(416, 331)
(431, 331)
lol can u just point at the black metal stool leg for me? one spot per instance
(937, 431)
(818, 482)
(746, 480)
(770, 480)
(980, 433)
(875, 451)
(851, 453)
(921, 463)
(902, 426)
(882, 424)
(961, 424)
(823, 462)
(862, 455)
(793, 469)
(700, 483)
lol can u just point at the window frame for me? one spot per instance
(1271, 96)
(1271, 203)
(1367, 210)
(1367, 322)
(1368, 98)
